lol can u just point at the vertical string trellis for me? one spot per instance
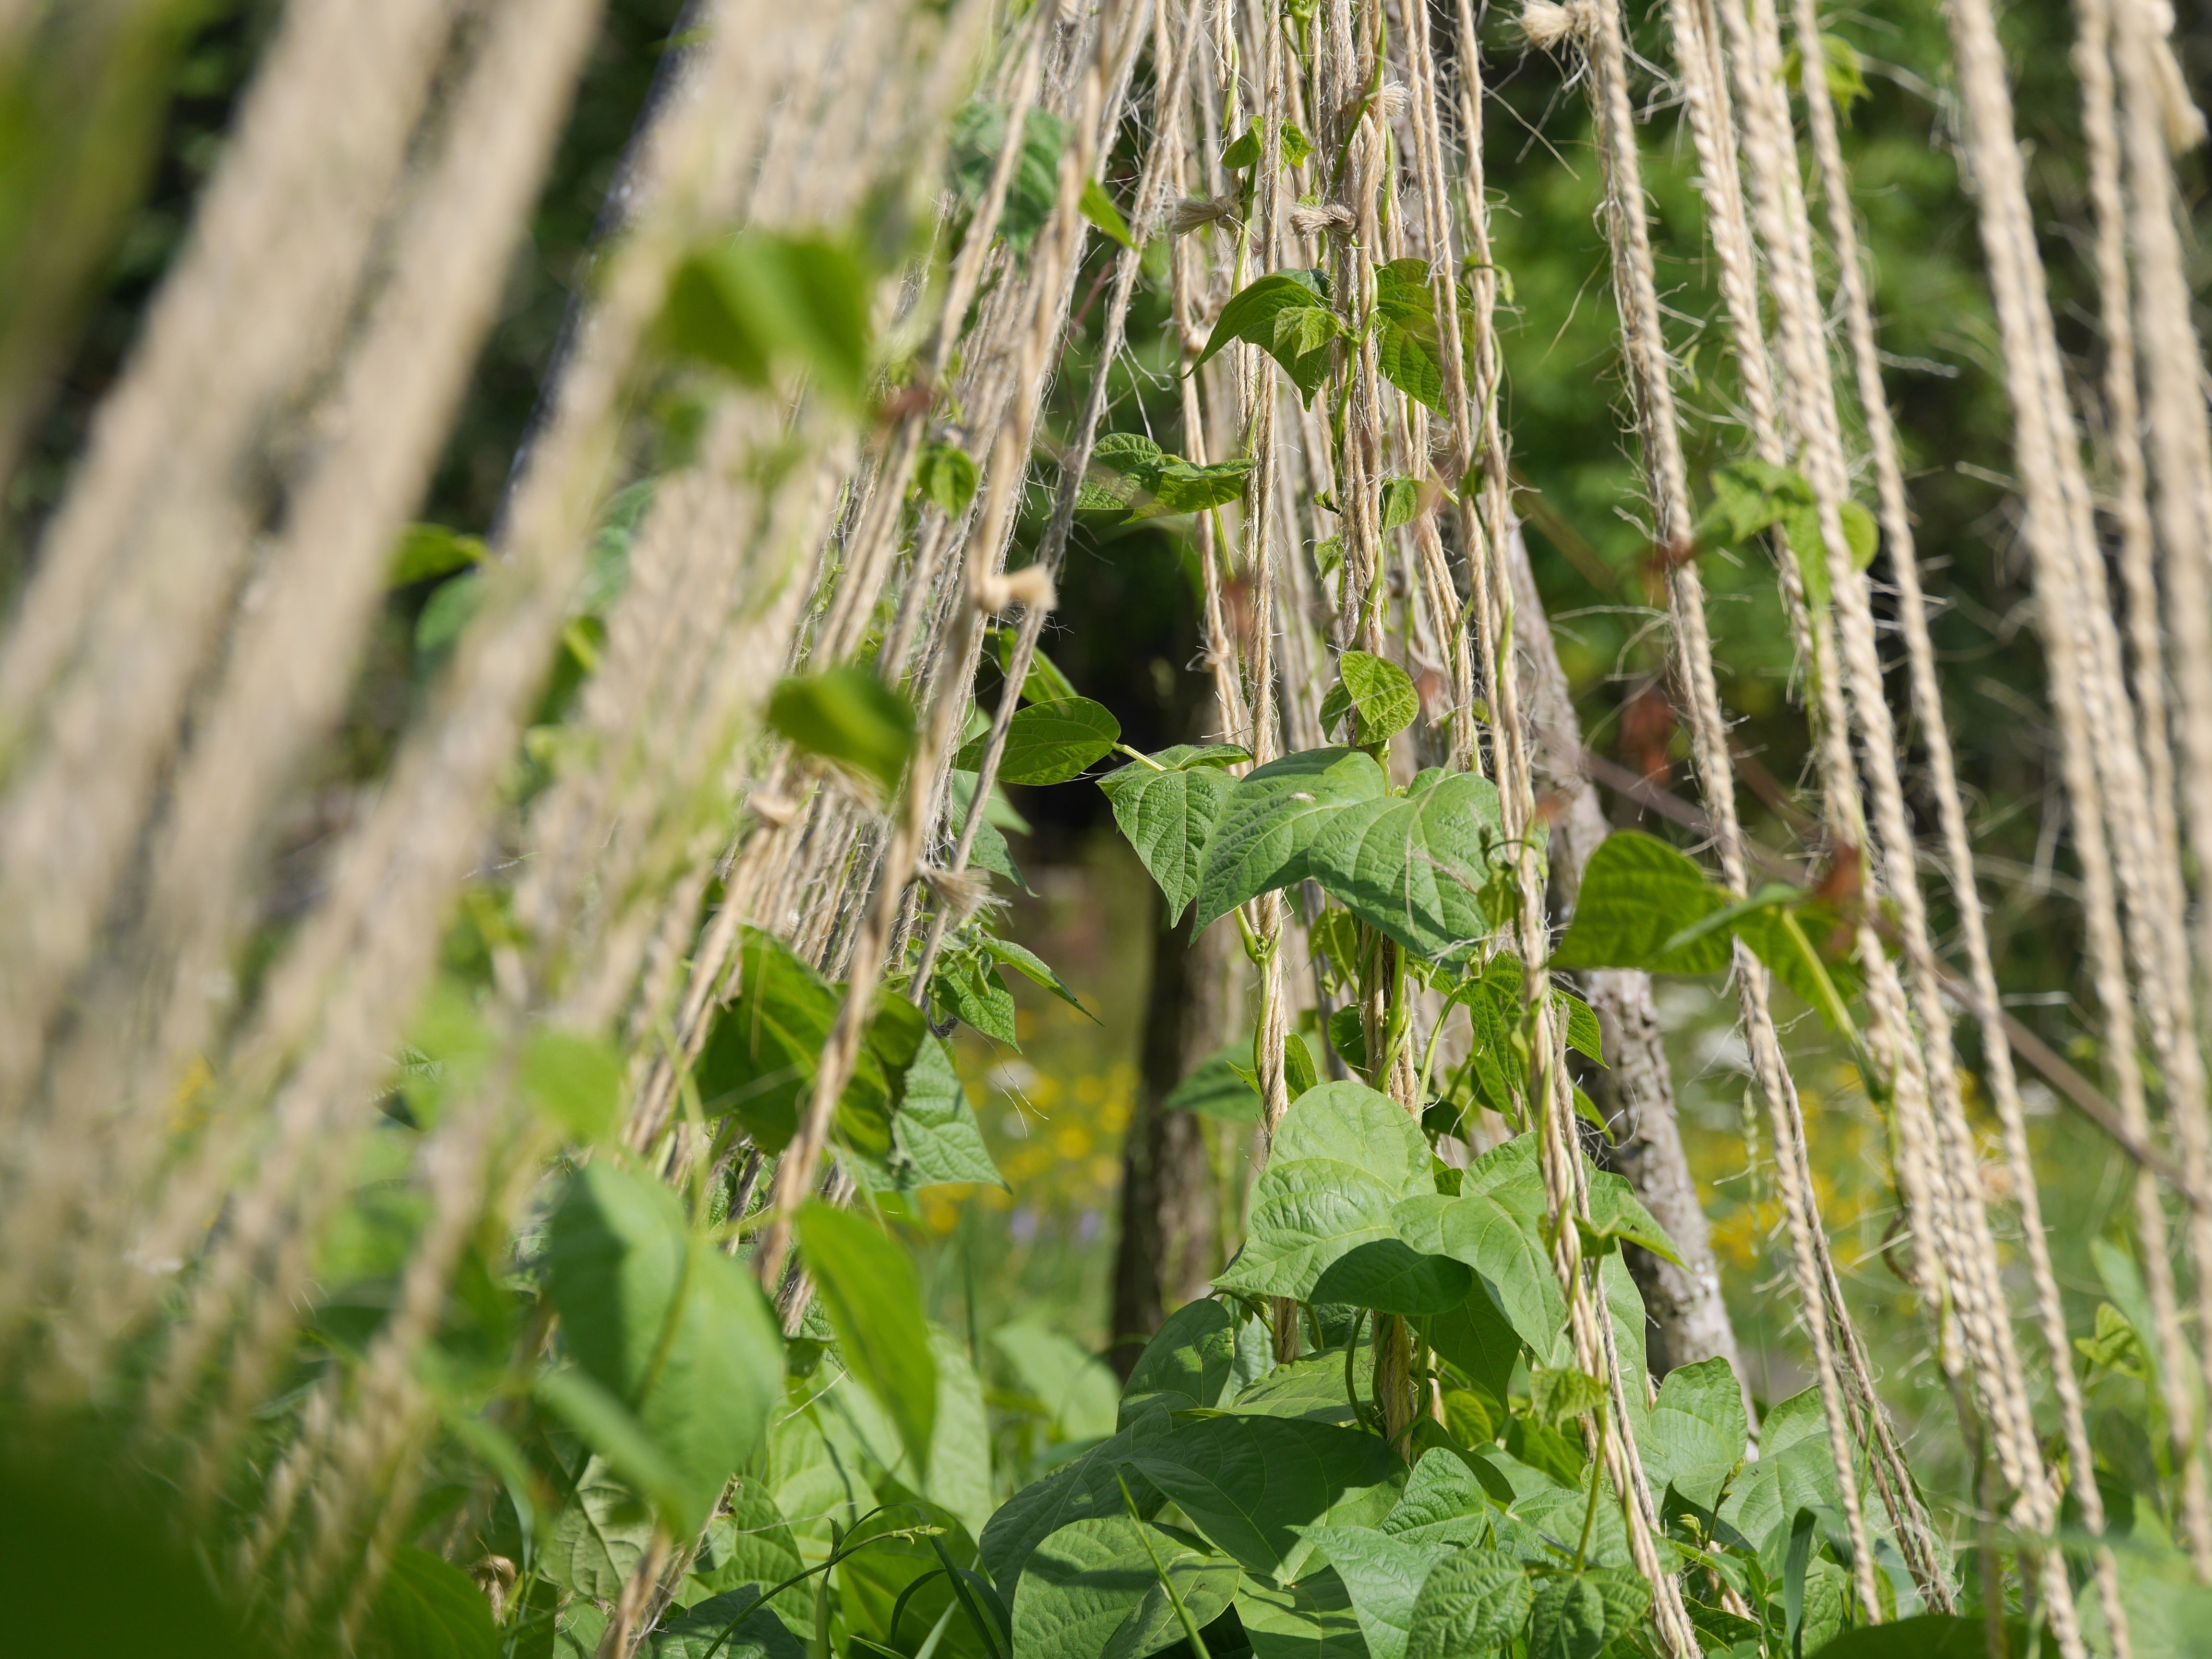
(677, 793)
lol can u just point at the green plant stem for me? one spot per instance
(1134, 754)
(1597, 1475)
(1350, 1362)
(1174, 1597)
(1429, 1054)
(835, 1556)
(1256, 949)
(966, 1598)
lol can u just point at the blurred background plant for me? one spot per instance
(107, 135)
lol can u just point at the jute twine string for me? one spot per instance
(780, 853)
(356, 968)
(1705, 84)
(877, 537)
(1911, 609)
(1052, 551)
(2055, 497)
(2181, 446)
(1635, 292)
(386, 1414)
(139, 570)
(2159, 114)
(988, 594)
(1937, 1161)
(1262, 549)
(287, 669)
(1948, 1181)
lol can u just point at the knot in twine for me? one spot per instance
(1030, 587)
(1550, 26)
(1194, 212)
(962, 892)
(1310, 220)
(2185, 122)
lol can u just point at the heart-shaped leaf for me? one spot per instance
(1248, 1483)
(674, 1332)
(1168, 816)
(1355, 1125)
(1696, 1437)
(1470, 1602)
(1407, 347)
(1049, 742)
(1273, 814)
(1415, 867)
(1638, 894)
(1382, 1574)
(1375, 688)
(1099, 1589)
(935, 1134)
(1251, 315)
(1306, 1214)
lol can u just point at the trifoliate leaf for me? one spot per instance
(1251, 313)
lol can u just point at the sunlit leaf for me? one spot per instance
(1377, 690)
(1093, 1591)
(1168, 817)
(1470, 1602)
(1696, 1433)
(669, 1327)
(1638, 894)
(1617, 1217)
(935, 1133)
(1407, 347)
(1416, 866)
(946, 474)
(1050, 742)
(1251, 315)
(1558, 1395)
(428, 550)
(1574, 1618)
(599, 1536)
(1035, 969)
(1273, 814)
(575, 1080)
(1383, 1575)
(969, 989)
